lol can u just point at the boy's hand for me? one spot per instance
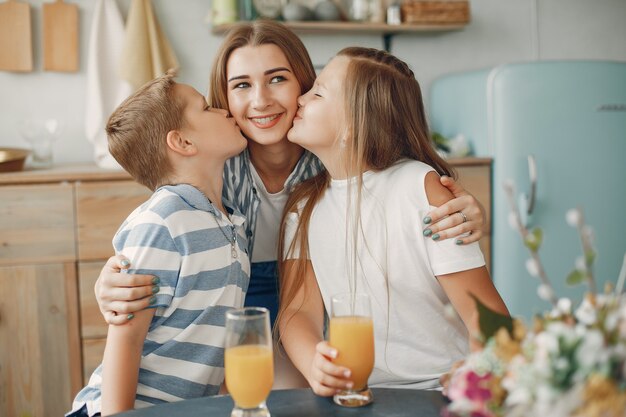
(326, 377)
(120, 295)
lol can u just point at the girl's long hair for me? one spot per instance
(386, 123)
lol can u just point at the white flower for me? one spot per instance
(513, 221)
(573, 217)
(532, 266)
(564, 305)
(581, 265)
(545, 292)
(589, 353)
(586, 313)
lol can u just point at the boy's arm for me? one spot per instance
(120, 364)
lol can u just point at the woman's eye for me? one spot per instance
(241, 85)
(277, 79)
(317, 95)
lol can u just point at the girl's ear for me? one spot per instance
(179, 144)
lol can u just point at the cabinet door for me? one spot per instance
(101, 207)
(39, 349)
(37, 224)
(476, 179)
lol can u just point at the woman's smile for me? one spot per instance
(266, 122)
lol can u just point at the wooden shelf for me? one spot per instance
(322, 28)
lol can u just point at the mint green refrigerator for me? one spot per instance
(558, 130)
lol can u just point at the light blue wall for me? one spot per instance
(501, 31)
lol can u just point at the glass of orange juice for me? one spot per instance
(352, 334)
(248, 360)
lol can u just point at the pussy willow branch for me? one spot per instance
(622, 277)
(587, 248)
(510, 193)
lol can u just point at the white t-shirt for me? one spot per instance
(414, 341)
(268, 220)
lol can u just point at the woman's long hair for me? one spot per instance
(386, 123)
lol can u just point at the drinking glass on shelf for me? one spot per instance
(40, 134)
(352, 334)
(248, 360)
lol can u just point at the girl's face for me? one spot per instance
(210, 128)
(262, 92)
(320, 121)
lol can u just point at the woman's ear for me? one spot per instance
(179, 144)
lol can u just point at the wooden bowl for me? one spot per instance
(12, 159)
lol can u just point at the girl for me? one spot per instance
(351, 228)
(258, 74)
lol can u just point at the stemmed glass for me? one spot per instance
(249, 361)
(41, 134)
(352, 334)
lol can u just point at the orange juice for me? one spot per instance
(353, 337)
(249, 374)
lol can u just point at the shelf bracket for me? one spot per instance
(387, 37)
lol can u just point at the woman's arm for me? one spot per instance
(301, 329)
(461, 286)
(445, 221)
(119, 295)
(120, 364)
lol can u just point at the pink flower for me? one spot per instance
(478, 387)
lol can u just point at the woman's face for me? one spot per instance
(262, 92)
(320, 121)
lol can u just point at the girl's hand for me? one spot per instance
(326, 377)
(446, 221)
(120, 295)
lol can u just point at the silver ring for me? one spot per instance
(462, 215)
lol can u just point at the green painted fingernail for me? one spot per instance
(436, 236)
(125, 262)
(130, 316)
(155, 280)
(428, 232)
(459, 242)
(427, 220)
(155, 289)
(152, 300)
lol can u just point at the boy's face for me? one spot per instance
(211, 129)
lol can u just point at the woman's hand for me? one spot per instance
(120, 295)
(326, 378)
(460, 215)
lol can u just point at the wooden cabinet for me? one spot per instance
(56, 228)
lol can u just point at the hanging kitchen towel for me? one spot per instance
(105, 89)
(147, 53)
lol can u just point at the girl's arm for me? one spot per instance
(301, 332)
(120, 364)
(445, 221)
(119, 294)
(460, 286)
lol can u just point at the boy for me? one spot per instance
(169, 140)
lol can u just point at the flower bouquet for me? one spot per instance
(567, 362)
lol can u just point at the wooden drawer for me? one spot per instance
(37, 224)
(100, 210)
(92, 324)
(93, 350)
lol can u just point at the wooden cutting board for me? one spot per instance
(16, 47)
(60, 36)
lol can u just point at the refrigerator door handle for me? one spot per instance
(527, 201)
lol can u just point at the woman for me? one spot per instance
(258, 74)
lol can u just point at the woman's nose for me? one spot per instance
(262, 98)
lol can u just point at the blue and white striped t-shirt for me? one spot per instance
(176, 236)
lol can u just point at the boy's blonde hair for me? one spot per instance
(138, 128)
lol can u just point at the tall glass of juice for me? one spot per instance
(352, 334)
(248, 360)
